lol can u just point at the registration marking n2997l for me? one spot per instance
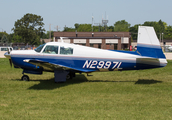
(101, 64)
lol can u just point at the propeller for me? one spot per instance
(10, 57)
(11, 63)
(8, 50)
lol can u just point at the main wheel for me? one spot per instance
(68, 76)
(25, 78)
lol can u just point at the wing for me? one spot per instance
(47, 66)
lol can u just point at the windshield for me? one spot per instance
(38, 49)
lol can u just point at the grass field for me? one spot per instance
(141, 95)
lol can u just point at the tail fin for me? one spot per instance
(148, 43)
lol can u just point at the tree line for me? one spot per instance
(161, 28)
(29, 30)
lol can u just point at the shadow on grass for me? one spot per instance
(145, 81)
(140, 81)
(50, 84)
(107, 81)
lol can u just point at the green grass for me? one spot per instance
(144, 94)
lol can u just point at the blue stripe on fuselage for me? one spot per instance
(128, 52)
(76, 63)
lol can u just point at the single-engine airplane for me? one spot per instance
(66, 59)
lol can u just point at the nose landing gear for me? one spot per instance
(25, 78)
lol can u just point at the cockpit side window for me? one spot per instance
(51, 49)
(38, 49)
(66, 50)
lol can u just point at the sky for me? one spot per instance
(63, 13)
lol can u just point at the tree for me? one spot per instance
(76, 26)
(162, 26)
(79, 28)
(46, 35)
(84, 28)
(66, 29)
(29, 28)
(2, 34)
(16, 38)
(4, 39)
(134, 31)
(10, 38)
(168, 32)
(98, 28)
(121, 26)
(159, 26)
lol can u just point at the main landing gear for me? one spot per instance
(62, 76)
(25, 78)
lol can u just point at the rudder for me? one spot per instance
(148, 43)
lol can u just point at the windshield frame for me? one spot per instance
(39, 48)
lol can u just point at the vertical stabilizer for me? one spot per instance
(148, 43)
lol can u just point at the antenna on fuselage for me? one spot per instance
(61, 38)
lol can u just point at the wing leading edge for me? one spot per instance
(47, 66)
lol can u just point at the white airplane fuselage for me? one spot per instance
(63, 58)
(87, 59)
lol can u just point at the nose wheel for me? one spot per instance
(25, 78)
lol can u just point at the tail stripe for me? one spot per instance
(148, 43)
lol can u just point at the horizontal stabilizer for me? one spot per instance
(147, 63)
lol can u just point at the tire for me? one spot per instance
(25, 78)
(68, 76)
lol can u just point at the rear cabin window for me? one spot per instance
(50, 49)
(66, 50)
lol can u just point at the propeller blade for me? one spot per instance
(10, 62)
(8, 50)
